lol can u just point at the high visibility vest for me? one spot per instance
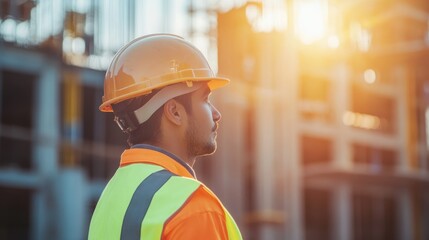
(138, 201)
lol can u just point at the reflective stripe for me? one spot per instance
(114, 200)
(140, 202)
(164, 206)
(232, 228)
(140, 199)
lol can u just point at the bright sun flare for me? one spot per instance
(310, 20)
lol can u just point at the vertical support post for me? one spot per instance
(264, 148)
(1, 90)
(99, 165)
(232, 157)
(405, 219)
(71, 209)
(289, 86)
(45, 148)
(402, 128)
(342, 212)
(71, 117)
(341, 101)
(425, 214)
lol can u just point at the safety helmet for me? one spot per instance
(152, 62)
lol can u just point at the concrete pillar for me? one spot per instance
(231, 158)
(264, 139)
(425, 215)
(45, 148)
(341, 103)
(45, 151)
(400, 79)
(342, 215)
(1, 87)
(405, 218)
(70, 209)
(290, 141)
(264, 157)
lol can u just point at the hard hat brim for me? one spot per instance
(212, 82)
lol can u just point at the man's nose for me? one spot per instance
(216, 114)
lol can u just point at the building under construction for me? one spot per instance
(324, 135)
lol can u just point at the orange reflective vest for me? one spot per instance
(154, 195)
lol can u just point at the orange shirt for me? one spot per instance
(202, 216)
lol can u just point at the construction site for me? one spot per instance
(325, 124)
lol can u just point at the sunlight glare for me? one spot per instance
(333, 41)
(271, 16)
(311, 20)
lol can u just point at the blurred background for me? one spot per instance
(325, 128)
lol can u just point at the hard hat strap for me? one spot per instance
(147, 110)
(125, 123)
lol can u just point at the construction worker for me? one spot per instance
(158, 87)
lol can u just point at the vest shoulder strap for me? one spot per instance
(108, 216)
(156, 199)
(139, 200)
(166, 202)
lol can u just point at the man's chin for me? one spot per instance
(209, 149)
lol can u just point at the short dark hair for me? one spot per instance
(147, 132)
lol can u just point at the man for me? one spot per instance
(158, 88)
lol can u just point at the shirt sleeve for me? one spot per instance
(202, 217)
(207, 226)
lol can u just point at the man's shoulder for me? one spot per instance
(202, 210)
(202, 192)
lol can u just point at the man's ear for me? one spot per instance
(174, 112)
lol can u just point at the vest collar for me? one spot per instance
(144, 153)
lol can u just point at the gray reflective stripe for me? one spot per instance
(106, 222)
(166, 202)
(140, 202)
(140, 199)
